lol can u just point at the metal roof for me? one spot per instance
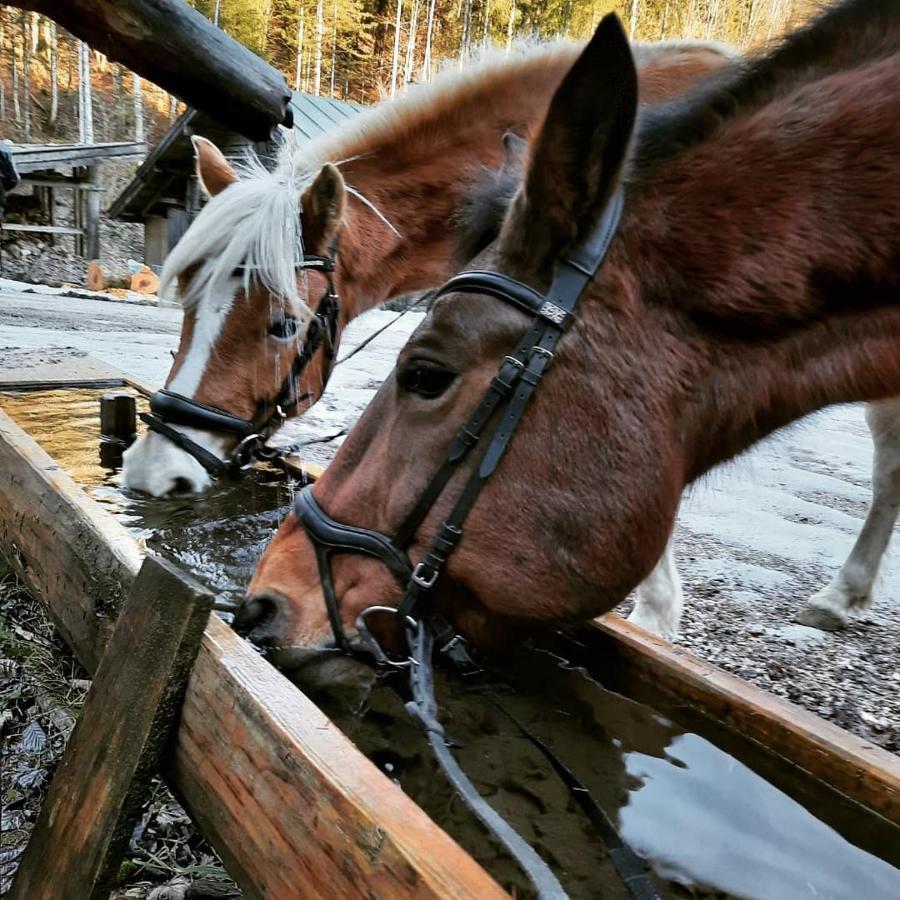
(161, 182)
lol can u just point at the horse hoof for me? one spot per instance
(823, 619)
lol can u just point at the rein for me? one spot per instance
(503, 404)
(168, 408)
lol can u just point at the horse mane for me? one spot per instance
(484, 203)
(843, 36)
(255, 223)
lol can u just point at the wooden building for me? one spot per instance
(48, 167)
(164, 194)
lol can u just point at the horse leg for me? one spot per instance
(659, 598)
(851, 588)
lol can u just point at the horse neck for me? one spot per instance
(416, 182)
(772, 255)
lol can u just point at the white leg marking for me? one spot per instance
(851, 588)
(659, 598)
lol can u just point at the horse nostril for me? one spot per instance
(255, 611)
(181, 486)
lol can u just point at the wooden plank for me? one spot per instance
(180, 50)
(52, 157)
(127, 719)
(39, 229)
(65, 371)
(650, 669)
(286, 799)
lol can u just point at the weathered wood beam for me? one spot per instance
(176, 47)
(293, 808)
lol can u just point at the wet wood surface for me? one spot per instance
(285, 798)
(128, 717)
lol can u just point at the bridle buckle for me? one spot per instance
(371, 642)
(426, 582)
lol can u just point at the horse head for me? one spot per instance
(251, 273)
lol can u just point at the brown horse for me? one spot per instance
(383, 189)
(753, 279)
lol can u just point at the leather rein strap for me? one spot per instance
(504, 403)
(168, 408)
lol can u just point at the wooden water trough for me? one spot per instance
(292, 807)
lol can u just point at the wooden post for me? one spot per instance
(78, 210)
(91, 193)
(126, 722)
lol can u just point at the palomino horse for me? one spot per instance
(386, 217)
(752, 279)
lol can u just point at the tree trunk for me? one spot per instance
(320, 32)
(634, 17)
(216, 11)
(486, 32)
(333, 49)
(429, 33)
(85, 104)
(138, 96)
(26, 76)
(54, 75)
(467, 24)
(411, 43)
(300, 29)
(179, 49)
(395, 59)
(510, 25)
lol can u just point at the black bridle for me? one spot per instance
(503, 404)
(168, 409)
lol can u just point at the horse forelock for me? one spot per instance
(254, 224)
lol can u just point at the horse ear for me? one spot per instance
(578, 155)
(213, 171)
(515, 154)
(322, 206)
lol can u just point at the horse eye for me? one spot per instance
(284, 329)
(427, 379)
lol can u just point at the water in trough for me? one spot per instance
(714, 815)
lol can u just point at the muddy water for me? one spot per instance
(710, 821)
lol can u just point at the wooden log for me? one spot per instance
(652, 670)
(293, 808)
(99, 280)
(127, 719)
(176, 47)
(106, 274)
(144, 281)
